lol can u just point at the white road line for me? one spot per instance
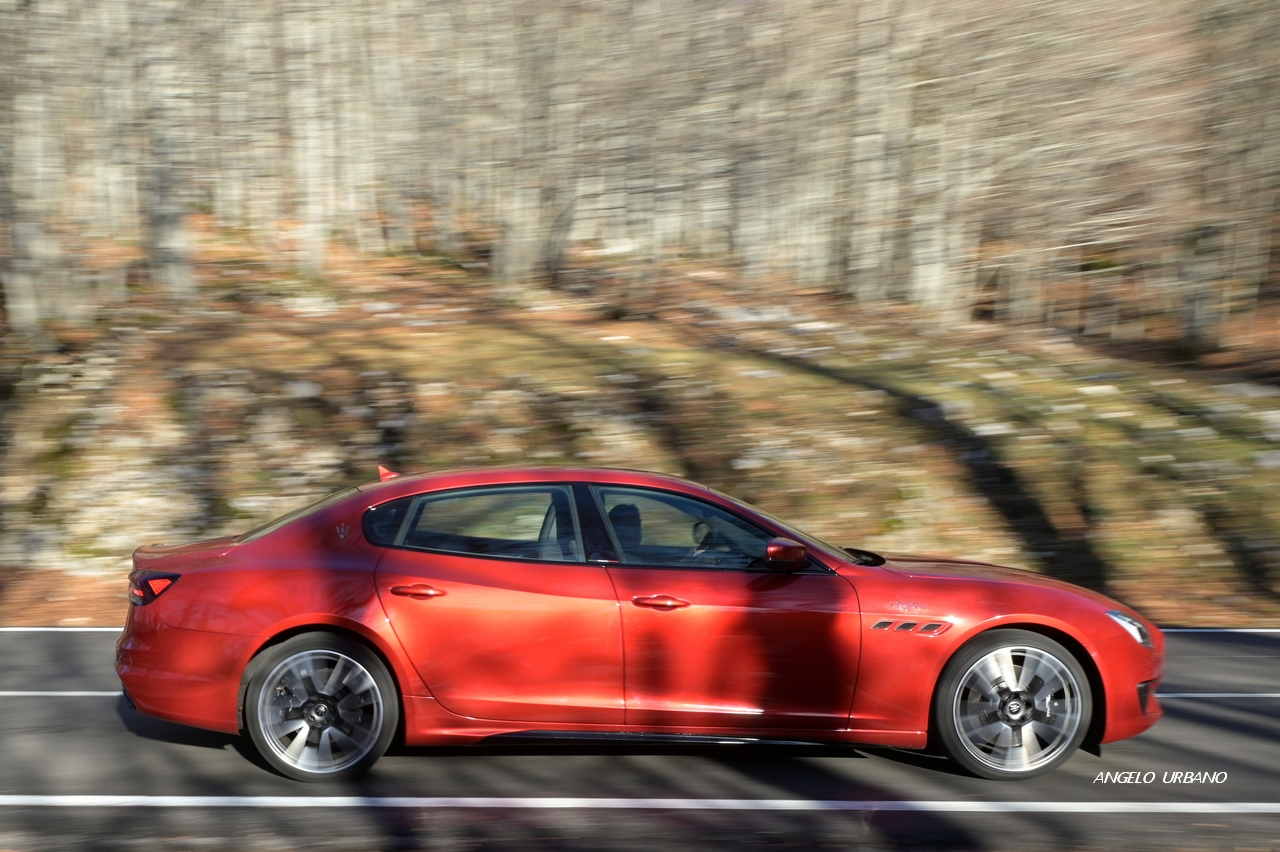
(555, 803)
(65, 694)
(1218, 694)
(1220, 629)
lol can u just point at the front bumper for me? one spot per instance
(1130, 674)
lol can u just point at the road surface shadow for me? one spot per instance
(151, 728)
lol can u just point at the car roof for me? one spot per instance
(404, 485)
(440, 480)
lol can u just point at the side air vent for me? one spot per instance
(932, 628)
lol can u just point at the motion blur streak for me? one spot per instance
(1089, 164)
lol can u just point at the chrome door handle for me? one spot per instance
(658, 601)
(418, 591)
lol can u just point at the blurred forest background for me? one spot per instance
(992, 277)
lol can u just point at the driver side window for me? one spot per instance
(670, 530)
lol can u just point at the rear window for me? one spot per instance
(259, 532)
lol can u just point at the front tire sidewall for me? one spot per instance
(951, 740)
(262, 667)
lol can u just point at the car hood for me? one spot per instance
(916, 566)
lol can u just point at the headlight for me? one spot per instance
(1132, 626)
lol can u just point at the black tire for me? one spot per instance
(320, 707)
(1005, 731)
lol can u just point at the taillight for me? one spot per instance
(144, 587)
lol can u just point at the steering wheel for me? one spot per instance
(708, 540)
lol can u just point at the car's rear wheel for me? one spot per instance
(320, 707)
(1012, 704)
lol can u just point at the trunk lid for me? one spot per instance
(166, 557)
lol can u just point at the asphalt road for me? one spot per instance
(70, 748)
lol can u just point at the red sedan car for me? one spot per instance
(458, 606)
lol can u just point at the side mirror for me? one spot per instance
(784, 554)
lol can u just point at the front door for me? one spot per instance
(713, 639)
(488, 592)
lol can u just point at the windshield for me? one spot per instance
(272, 526)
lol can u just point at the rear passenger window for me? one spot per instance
(520, 522)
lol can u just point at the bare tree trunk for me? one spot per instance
(543, 199)
(307, 40)
(859, 145)
(16, 287)
(879, 139)
(159, 25)
(36, 279)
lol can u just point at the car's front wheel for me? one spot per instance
(1012, 704)
(320, 707)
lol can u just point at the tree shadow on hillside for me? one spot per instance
(1070, 559)
(1067, 558)
(676, 424)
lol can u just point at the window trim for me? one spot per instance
(592, 522)
(814, 566)
(416, 501)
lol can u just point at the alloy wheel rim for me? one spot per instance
(1017, 709)
(320, 711)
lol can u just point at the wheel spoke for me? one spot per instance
(355, 701)
(990, 675)
(346, 743)
(299, 665)
(324, 748)
(1030, 668)
(289, 726)
(1029, 747)
(1006, 740)
(318, 666)
(1049, 688)
(357, 706)
(988, 733)
(1056, 722)
(1008, 671)
(359, 682)
(335, 677)
(299, 745)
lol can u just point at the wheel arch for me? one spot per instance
(1097, 692)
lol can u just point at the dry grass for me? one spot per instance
(872, 428)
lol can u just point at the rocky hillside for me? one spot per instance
(876, 429)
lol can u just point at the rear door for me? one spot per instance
(489, 594)
(712, 637)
